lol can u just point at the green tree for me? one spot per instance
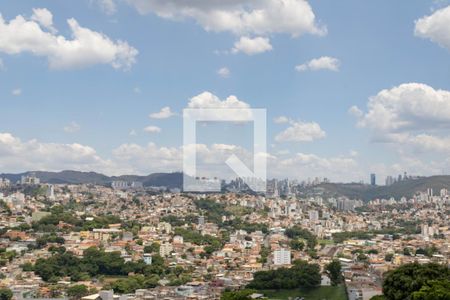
(264, 252)
(77, 291)
(132, 283)
(401, 283)
(5, 294)
(297, 245)
(94, 262)
(153, 248)
(301, 274)
(406, 251)
(27, 267)
(362, 257)
(428, 251)
(334, 270)
(434, 290)
(298, 232)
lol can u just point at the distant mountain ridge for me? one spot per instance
(170, 180)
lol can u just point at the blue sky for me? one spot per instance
(86, 107)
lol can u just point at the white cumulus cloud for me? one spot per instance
(209, 100)
(259, 19)
(85, 48)
(224, 109)
(152, 129)
(240, 17)
(44, 17)
(224, 72)
(301, 132)
(435, 27)
(321, 63)
(414, 116)
(406, 107)
(251, 46)
(18, 156)
(164, 113)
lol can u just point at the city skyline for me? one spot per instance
(350, 89)
(122, 180)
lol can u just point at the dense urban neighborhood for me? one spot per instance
(123, 240)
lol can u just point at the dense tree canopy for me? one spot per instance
(403, 282)
(212, 243)
(152, 248)
(298, 232)
(339, 237)
(214, 211)
(5, 294)
(334, 270)
(132, 283)
(434, 290)
(297, 245)
(94, 262)
(77, 291)
(300, 275)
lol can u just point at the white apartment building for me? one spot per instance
(313, 215)
(164, 227)
(282, 257)
(165, 249)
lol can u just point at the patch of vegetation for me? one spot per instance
(417, 282)
(340, 237)
(302, 274)
(319, 293)
(334, 271)
(213, 210)
(94, 262)
(298, 232)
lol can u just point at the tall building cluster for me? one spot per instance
(345, 204)
(4, 182)
(390, 180)
(125, 185)
(30, 180)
